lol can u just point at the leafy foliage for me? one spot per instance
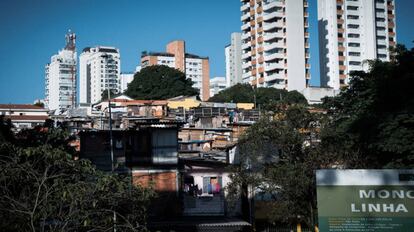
(373, 119)
(160, 82)
(278, 157)
(44, 188)
(267, 98)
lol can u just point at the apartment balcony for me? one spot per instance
(381, 33)
(274, 76)
(245, 36)
(352, 31)
(380, 5)
(380, 15)
(246, 45)
(391, 25)
(391, 34)
(246, 65)
(245, 26)
(269, 16)
(273, 66)
(247, 75)
(270, 46)
(381, 42)
(273, 25)
(245, 17)
(390, 7)
(392, 43)
(382, 51)
(246, 55)
(273, 4)
(274, 56)
(245, 6)
(270, 36)
(380, 24)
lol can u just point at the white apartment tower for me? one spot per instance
(60, 78)
(350, 32)
(275, 43)
(126, 78)
(217, 84)
(99, 71)
(233, 54)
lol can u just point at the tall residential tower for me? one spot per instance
(99, 71)
(60, 78)
(233, 60)
(350, 32)
(195, 67)
(275, 43)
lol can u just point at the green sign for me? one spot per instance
(365, 200)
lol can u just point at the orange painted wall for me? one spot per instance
(206, 80)
(178, 49)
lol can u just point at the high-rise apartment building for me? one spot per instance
(126, 78)
(233, 54)
(217, 84)
(195, 67)
(99, 70)
(350, 32)
(60, 78)
(275, 43)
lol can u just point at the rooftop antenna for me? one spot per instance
(71, 46)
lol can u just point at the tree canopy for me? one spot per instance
(44, 189)
(265, 97)
(370, 124)
(278, 156)
(373, 119)
(159, 82)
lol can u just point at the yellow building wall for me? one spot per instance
(186, 103)
(246, 106)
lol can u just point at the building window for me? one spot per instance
(353, 26)
(354, 63)
(352, 8)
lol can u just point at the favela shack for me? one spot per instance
(382, 207)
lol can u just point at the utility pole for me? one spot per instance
(111, 146)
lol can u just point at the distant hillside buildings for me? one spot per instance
(272, 50)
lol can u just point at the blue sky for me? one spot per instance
(33, 30)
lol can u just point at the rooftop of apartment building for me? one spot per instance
(187, 55)
(101, 49)
(21, 107)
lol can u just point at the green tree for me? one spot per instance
(278, 157)
(373, 119)
(160, 82)
(239, 93)
(40, 104)
(266, 98)
(44, 189)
